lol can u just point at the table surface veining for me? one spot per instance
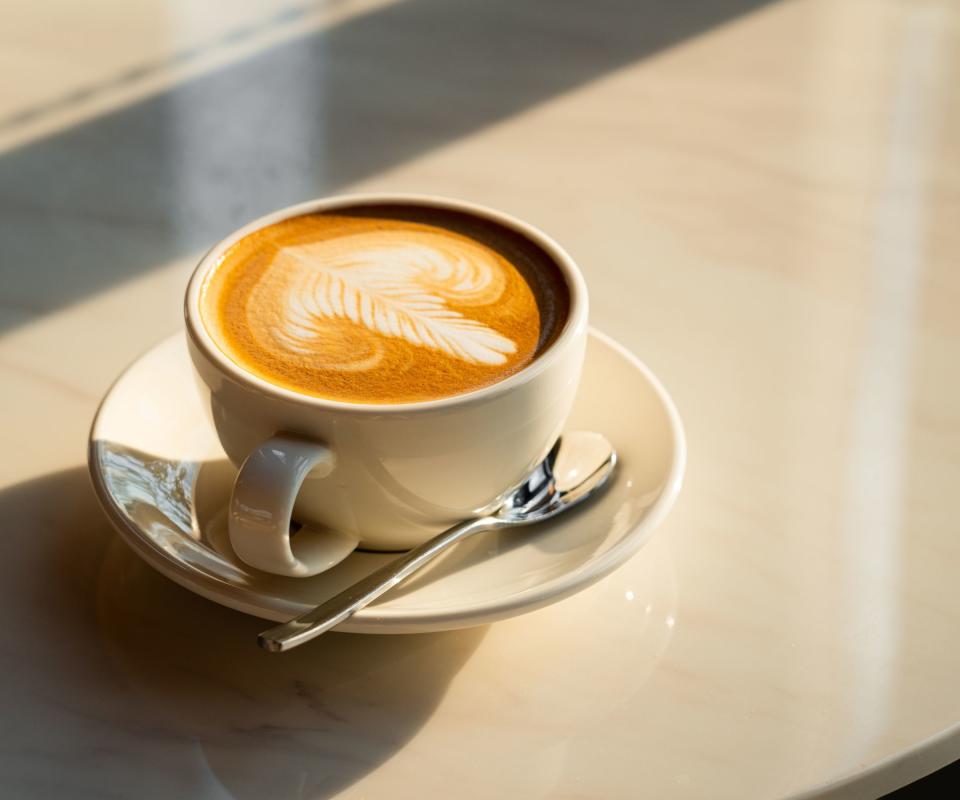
(764, 198)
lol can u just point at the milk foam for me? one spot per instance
(389, 283)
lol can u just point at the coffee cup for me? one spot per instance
(379, 367)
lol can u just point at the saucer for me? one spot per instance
(164, 481)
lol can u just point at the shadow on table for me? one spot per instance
(105, 200)
(119, 681)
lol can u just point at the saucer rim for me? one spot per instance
(379, 619)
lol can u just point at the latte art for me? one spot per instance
(384, 305)
(396, 285)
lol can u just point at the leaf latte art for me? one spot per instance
(363, 306)
(396, 285)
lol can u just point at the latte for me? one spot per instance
(384, 304)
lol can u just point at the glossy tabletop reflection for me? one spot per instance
(763, 197)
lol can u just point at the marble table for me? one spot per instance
(764, 197)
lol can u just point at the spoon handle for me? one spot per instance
(344, 605)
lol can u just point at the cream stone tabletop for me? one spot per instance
(764, 199)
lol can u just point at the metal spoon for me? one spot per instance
(577, 466)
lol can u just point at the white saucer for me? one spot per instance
(164, 481)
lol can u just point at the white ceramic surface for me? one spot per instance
(164, 480)
(388, 475)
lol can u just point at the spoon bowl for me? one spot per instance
(578, 464)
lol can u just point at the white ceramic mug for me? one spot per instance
(384, 477)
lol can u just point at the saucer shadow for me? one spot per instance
(105, 657)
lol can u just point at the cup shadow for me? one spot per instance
(113, 197)
(105, 655)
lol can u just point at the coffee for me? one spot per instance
(384, 304)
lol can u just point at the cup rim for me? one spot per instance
(573, 328)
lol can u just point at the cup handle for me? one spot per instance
(262, 503)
